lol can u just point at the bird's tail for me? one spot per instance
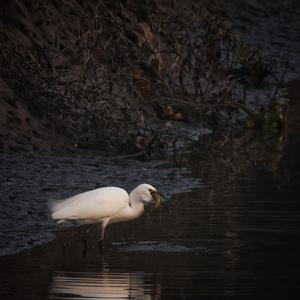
(55, 206)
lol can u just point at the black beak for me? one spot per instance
(163, 198)
(159, 199)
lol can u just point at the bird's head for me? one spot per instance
(147, 193)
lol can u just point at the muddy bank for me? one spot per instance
(28, 183)
(271, 26)
(123, 77)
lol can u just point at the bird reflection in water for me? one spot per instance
(103, 285)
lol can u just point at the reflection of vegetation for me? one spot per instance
(270, 121)
(243, 153)
(264, 152)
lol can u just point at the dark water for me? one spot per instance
(236, 236)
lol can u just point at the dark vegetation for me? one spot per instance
(121, 75)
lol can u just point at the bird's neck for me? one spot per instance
(136, 205)
(136, 209)
(128, 213)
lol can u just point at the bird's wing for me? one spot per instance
(96, 204)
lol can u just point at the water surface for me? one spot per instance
(236, 235)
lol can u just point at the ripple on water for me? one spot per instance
(156, 246)
(106, 284)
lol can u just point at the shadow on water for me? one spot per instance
(238, 236)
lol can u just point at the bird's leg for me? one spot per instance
(84, 232)
(103, 225)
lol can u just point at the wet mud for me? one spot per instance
(29, 183)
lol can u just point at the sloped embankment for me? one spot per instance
(115, 75)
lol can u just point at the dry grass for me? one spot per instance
(97, 66)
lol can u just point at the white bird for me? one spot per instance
(105, 205)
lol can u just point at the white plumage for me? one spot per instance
(105, 205)
(92, 205)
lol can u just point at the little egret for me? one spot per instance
(106, 205)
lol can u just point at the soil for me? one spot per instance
(31, 120)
